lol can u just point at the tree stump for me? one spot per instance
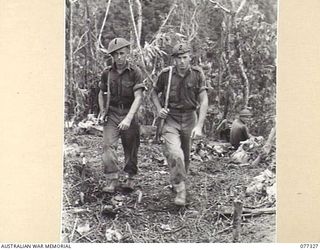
(237, 219)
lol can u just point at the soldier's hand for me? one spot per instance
(196, 132)
(125, 123)
(102, 116)
(163, 113)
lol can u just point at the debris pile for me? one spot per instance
(264, 184)
(205, 150)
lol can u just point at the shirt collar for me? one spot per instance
(239, 118)
(127, 67)
(175, 71)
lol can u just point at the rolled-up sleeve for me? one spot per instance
(202, 82)
(103, 82)
(159, 85)
(138, 80)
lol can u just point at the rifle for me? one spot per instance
(103, 117)
(166, 103)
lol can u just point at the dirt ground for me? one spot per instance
(148, 214)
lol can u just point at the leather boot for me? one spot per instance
(129, 184)
(111, 183)
(180, 199)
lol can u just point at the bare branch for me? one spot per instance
(99, 44)
(70, 73)
(174, 5)
(195, 25)
(218, 5)
(134, 25)
(79, 48)
(74, 228)
(241, 6)
(79, 43)
(139, 21)
(136, 32)
(138, 42)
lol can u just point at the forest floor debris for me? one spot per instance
(148, 214)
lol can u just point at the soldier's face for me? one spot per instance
(120, 56)
(183, 61)
(247, 120)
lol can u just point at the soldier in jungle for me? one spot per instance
(120, 96)
(239, 131)
(187, 92)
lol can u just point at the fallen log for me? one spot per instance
(175, 230)
(255, 212)
(246, 212)
(223, 230)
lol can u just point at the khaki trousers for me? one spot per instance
(176, 133)
(130, 140)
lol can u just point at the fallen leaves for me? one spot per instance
(165, 227)
(240, 156)
(113, 235)
(265, 184)
(83, 228)
(143, 215)
(71, 150)
(118, 200)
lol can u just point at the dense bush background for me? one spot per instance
(234, 41)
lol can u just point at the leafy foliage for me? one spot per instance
(218, 40)
(237, 52)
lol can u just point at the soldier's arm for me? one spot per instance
(101, 101)
(155, 100)
(138, 89)
(136, 104)
(125, 123)
(158, 88)
(203, 98)
(103, 88)
(246, 132)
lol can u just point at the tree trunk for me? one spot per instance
(244, 78)
(222, 38)
(237, 45)
(70, 81)
(139, 21)
(90, 65)
(226, 54)
(99, 43)
(138, 43)
(87, 47)
(136, 31)
(245, 81)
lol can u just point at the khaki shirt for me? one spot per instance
(122, 86)
(184, 91)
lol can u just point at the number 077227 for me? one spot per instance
(309, 245)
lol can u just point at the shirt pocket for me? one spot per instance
(113, 87)
(174, 95)
(127, 88)
(191, 90)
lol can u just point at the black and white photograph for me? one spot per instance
(170, 121)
